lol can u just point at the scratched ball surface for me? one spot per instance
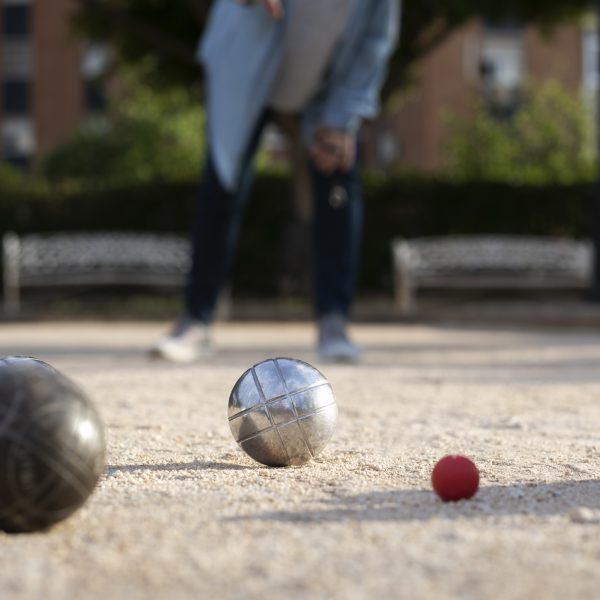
(282, 412)
(455, 478)
(52, 445)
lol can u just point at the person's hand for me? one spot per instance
(273, 7)
(333, 150)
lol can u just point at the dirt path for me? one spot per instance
(182, 513)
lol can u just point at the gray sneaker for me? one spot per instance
(188, 341)
(334, 345)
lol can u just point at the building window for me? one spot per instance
(16, 59)
(95, 61)
(16, 20)
(95, 97)
(590, 64)
(15, 99)
(17, 140)
(502, 68)
(94, 67)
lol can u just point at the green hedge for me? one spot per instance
(393, 207)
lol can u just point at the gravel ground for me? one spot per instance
(182, 513)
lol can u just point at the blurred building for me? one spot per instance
(48, 82)
(46, 77)
(480, 61)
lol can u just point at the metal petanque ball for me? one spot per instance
(52, 445)
(282, 412)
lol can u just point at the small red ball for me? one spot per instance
(454, 478)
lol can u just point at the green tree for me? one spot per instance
(427, 23)
(145, 136)
(168, 31)
(548, 140)
(163, 35)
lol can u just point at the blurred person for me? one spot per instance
(322, 61)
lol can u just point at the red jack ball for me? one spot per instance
(454, 478)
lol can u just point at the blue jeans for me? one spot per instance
(337, 230)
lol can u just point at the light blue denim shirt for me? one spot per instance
(241, 50)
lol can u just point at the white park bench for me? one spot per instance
(488, 262)
(91, 259)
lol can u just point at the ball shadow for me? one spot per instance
(112, 470)
(528, 499)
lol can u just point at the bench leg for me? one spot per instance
(12, 304)
(11, 252)
(406, 301)
(224, 307)
(405, 298)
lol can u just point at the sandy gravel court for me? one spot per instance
(182, 513)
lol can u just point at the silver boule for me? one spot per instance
(282, 412)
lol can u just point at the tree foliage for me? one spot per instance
(167, 32)
(427, 23)
(547, 141)
(144, 137)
